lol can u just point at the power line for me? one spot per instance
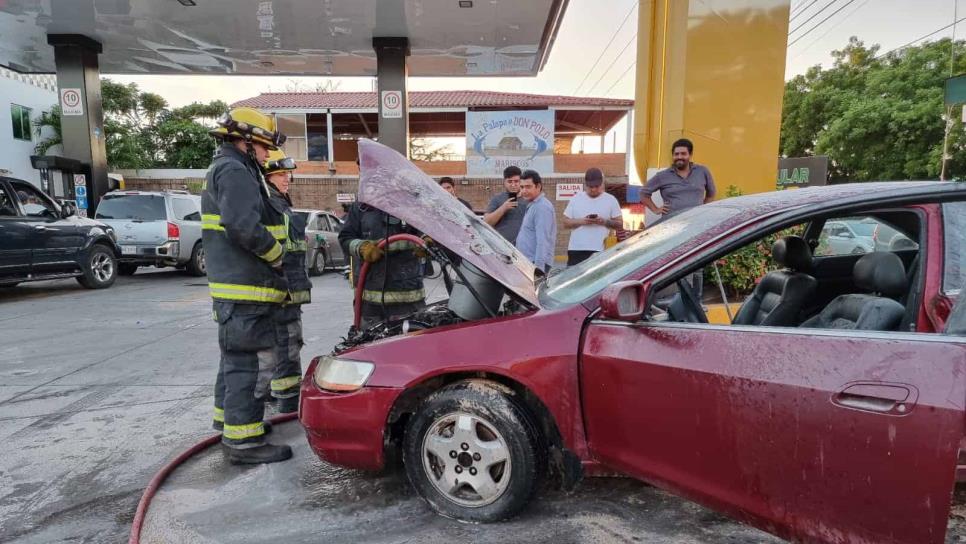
(618, 80)
(613, 36)
(613, 62)
(814, 15)
(809, 31)
(933, 33)
(833, 27)
(798, 12)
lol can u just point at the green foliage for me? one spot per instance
(48, 120)
(141, 131)
(877, 117)
(741, 269)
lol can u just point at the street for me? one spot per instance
(99, 389)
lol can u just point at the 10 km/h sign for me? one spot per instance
(391, 104)
(70, 102)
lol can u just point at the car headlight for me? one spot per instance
(341, 375)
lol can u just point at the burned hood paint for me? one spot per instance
(391, 183)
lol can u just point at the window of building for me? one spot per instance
(21, 122)
(293, 127)
(318, 137)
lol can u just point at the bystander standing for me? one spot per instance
(505, 212)
(591, 214)
(538, 233)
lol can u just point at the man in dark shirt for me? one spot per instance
(505, 212)
(449, 186)
(683, 186)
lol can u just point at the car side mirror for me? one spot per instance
(67, 209)
(624, 301)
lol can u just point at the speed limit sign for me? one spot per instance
(70, 102)
(391, 104)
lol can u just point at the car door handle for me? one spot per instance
(878, 397)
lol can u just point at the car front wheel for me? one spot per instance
(318, 264)
(473, 453)
(100, 269)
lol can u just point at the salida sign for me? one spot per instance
(497, 139)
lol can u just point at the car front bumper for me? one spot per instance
(346, 429)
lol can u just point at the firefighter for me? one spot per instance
(394, 282)
(287, 372)
(244, 236)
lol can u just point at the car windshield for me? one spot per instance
(132, 207)
(580, 282)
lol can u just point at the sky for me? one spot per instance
(606, 30)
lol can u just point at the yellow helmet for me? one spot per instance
(278, 162)
(251, 125)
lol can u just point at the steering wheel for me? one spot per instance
(685, 306)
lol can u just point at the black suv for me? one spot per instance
(43, 240)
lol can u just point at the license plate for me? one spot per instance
(129, 250)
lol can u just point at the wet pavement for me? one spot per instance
(98, 389)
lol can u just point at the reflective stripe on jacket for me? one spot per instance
(242, 232)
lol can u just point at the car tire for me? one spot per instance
(318, 263)
(859, 251)
(100, 269)
(126, 269)
(460, 434)
(196, 266)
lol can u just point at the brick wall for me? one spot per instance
(320, 193)
(613, 164)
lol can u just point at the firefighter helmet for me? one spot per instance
(278, 162)
(250, 125)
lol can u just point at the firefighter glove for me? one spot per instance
(370, 251)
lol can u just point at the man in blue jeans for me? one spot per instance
(538, 233)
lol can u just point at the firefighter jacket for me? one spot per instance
(397, 278)
(297, 276)
(242, 232)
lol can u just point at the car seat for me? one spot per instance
(884, 276)
(779, 297)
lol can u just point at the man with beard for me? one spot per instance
(683, 186)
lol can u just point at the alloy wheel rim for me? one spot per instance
(102, 267)
(201, 260)
(466, 459)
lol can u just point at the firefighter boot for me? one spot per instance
(266, 453)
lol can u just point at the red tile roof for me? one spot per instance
(425, 99)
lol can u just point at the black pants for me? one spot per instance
(577, 257)
(287, 374)
(246, 338)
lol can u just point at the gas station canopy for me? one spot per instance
(290, 37)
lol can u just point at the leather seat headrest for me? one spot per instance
(880, 272)
(792, 252)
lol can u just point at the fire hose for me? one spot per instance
(169, 467)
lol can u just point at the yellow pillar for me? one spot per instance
(712, 72)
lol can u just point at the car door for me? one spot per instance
(332, 226)
(16, 236)
(56, 241)
(814, 435)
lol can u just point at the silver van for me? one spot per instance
(155, 228)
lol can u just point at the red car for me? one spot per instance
(830, 410)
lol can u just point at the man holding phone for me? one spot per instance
(506, 211)
(590, 214)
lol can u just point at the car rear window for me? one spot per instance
(954, 227)
(133, 207)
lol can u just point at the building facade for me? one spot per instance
(23, 98)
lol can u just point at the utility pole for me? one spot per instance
(949, 108)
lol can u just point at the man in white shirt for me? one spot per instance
(590, 214)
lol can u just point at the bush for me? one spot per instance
(742, 269)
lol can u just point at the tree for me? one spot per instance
(877, 117)
(421, 149)
(49, 120)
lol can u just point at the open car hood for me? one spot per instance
(389, 182)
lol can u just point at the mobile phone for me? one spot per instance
(592, 216)
(512, 197)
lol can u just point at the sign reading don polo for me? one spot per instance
(497, 139)
(802, 172)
